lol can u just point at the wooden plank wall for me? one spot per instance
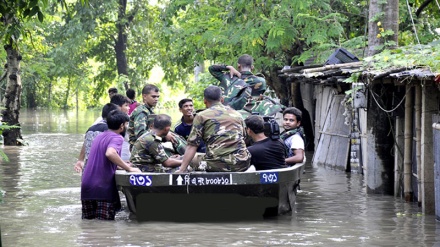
(323, 102)
(334, 136)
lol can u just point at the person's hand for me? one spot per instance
(181, 170)
(176, 156)
(79, 166)
(233, 71)
(133, 169)
(170, 137)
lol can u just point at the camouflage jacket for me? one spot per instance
(148, 153)
(257, 83)
(222, 130)
(140, 120)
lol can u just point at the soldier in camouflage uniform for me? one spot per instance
(222, 130)
(245, 66)
(140, 118)
(148, 153)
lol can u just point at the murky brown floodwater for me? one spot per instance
(40, 205)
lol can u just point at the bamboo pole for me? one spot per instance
(407, 145)
(333, 66)
(398, 157)
(418, 127)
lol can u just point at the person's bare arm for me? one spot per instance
(298, 157)
(233, 71)
(171, 137)
(171, 162)
(114, 157)
(80, 162)
(187, 157)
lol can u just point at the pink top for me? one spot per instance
(133, 106)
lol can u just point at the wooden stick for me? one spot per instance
(333, 66)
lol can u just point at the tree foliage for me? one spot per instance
(70, 57)
(274, 32)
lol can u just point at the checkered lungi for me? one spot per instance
(101, 210)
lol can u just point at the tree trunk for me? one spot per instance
(389, 17)
(407, 154)
(199, 68)
(12, 98)
(121, 42)
(280, 86)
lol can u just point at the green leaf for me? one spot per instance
(34, 11)
(40, 16)
(26, 13)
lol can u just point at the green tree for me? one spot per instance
(13, 17)
(274, 32)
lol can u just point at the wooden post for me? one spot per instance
(398, 157)
(407, 146)
(418, 128)
(430, 96)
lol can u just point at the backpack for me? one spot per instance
(287, 134)
(237, 94)
(264, 107)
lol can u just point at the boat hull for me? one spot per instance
(275, 189)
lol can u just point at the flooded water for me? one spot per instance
(40, 205)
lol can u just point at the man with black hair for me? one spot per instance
(140, 120)
(293, 136)
(119, 100)
(91, 133)
(222, 130)
(266, 152)
(112, 91)
(148, 152)
(184, 126)
(99, 195)
(227, 74)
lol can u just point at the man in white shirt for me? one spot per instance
(293, 136)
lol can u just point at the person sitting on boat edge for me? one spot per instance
(293, 136)
(222, 130)
(148, 153)
(266, 152)
(183, 127)
(99, 195)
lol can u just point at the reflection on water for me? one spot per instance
(41, 205)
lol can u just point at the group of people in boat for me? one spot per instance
(216, 139)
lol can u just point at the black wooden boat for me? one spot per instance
(275, 190)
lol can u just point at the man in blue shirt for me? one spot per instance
(183, 127)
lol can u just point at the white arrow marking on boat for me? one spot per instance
(179, 180)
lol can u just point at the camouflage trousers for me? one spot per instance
(198, 163)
